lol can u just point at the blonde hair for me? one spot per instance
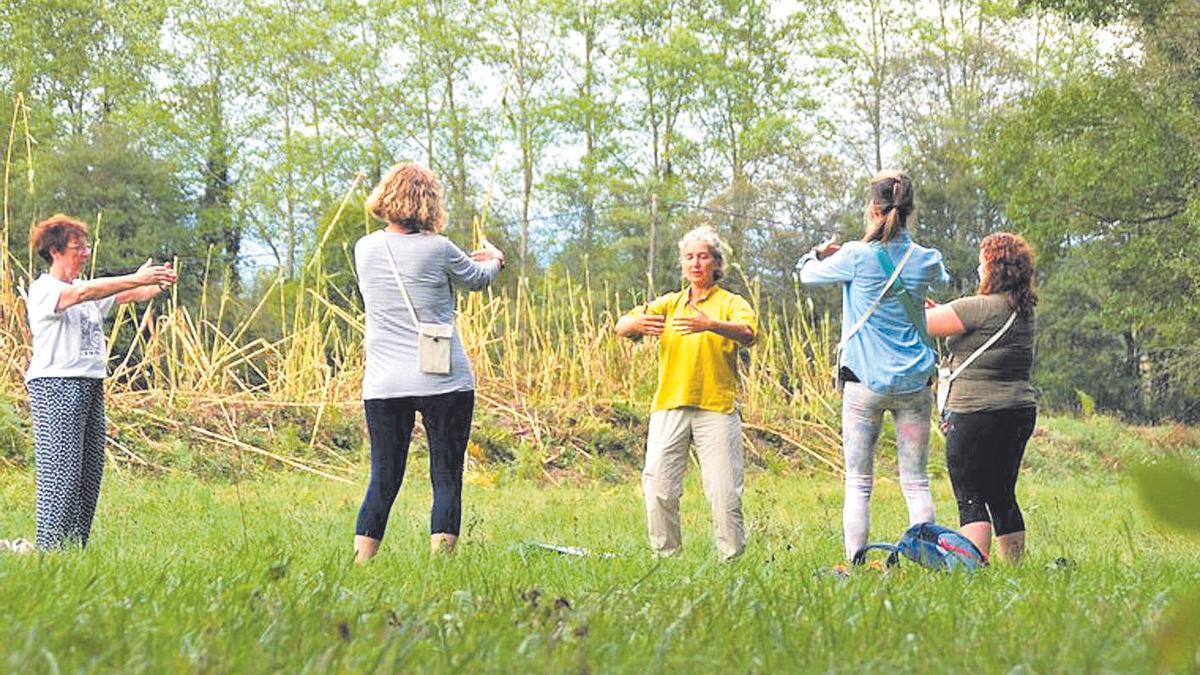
(716, 247)
(409, 196)
(889, 205)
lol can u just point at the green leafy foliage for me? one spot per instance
(1169, 490)
(1101, 12)
(133, 201)
(1099, 171)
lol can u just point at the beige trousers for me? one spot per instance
(718, 438)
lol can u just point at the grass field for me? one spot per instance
(254, 575)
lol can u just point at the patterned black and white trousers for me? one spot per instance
(68, 448)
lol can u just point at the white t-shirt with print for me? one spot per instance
(69, 343)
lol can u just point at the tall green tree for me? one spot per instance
(1101, 171)
(749, 110)
(79, 62)
(446, 38)
(209, 79)
(587, 112)
(659, 60)
(859, 44)
(133, 200)
(290, 43)
(970, 61)
(528, 58)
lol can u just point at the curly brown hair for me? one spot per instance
(55, 234)
(409, 196)
(1008, 267)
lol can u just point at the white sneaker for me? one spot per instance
(5, 546)
(22, 546)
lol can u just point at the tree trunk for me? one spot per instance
(589, 135)
(652, 252)
(215, 201)
(458, 150)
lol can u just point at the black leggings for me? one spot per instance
(983, 454)
(447, 420)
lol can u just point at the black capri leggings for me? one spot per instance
(447, 420)
(983, 454)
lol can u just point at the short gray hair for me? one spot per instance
(716, 247)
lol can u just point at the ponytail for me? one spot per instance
(889, 205)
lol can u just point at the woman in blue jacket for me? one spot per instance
(885, 358)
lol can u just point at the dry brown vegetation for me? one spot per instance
(197, 383)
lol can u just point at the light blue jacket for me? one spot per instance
(887, 353)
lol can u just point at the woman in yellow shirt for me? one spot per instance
(700, 330)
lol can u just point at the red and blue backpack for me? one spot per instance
(930, 545)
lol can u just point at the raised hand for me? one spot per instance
(487, 252)
(150, 274)
(174, 276)
(827, 248)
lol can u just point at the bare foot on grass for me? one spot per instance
(442, 543)
(365, 548)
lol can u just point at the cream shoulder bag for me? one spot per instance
(433, 339)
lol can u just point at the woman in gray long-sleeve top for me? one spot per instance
(395, 388)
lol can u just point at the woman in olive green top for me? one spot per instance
(992, 406)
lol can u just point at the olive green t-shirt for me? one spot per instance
(999, 378)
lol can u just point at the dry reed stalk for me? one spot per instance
(20, 115)
(136, 458)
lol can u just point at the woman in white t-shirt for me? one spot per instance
(66, 375)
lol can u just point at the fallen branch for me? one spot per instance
(800, 446)
(266, 453)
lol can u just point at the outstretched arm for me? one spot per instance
(826, 263)
(474, 272)
(147, 278)
(144, 293)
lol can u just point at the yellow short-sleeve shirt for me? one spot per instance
(698, 369)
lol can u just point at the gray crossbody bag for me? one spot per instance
(433, 339)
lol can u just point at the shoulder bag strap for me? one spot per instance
(893, 558)
(400, 282)
(862, 320)
(983, 348)
(910, 307)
